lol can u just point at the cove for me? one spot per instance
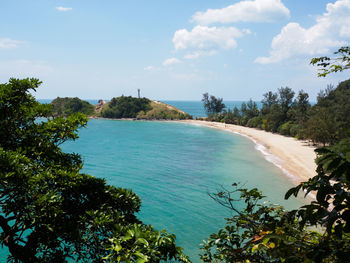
(172, 167)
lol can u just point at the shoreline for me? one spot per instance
(295, 158)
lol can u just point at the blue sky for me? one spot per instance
(171, 50)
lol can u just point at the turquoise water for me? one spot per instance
(172, 167)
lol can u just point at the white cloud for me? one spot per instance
(246, 31)
(331, 30)
(9, 43)
(171, 61)
(200, 53)
(244, 11)
(64, 9)
(203, 40)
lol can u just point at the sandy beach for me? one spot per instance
(294, 157)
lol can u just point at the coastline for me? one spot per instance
(295, 158)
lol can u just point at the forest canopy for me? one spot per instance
(67, 106)
(326, 122)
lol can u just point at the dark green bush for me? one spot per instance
(126, 107)
(67, 106)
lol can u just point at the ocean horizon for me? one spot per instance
(192, 107)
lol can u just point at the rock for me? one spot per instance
(99, 105)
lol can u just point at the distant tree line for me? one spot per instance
(326, 122)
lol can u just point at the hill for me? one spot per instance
(67, 106)
(119, 108)
(141, 108)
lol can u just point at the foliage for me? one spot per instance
(255, 122)
(212, 105)
(329, 65)
(144, 245)
(260, 232)
(162, 111)
(126, 107)
(50, 212)
(231, 116)
(268, 102)
(326, 122)
(321, 126)
(67, 106)
(251, 109)
(331, 209)
(267, 233)
(336, 103)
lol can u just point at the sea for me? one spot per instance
(173, 167)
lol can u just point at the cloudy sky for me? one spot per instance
(171, 50)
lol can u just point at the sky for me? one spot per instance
(171, 50)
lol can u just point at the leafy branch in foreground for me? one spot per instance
(49, 211)
(268, 233)
(329, 65)
(331, 209)
(260, 232)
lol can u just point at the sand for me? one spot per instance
(294, 157)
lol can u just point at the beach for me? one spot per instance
(294, 157)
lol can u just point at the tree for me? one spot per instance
(266, 233)
(252, 109)
(301, 107)
(50, 212)
(260, 232)
(321, 127)
(67, 106)
(212, 105)
(285, 101)
(331, 209)
(126, 107)
(329, 65)
(269, 100)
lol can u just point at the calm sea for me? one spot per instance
(172, 167)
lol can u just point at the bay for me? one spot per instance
(173, 166)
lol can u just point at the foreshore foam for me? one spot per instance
(291, 156)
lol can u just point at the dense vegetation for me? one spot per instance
(212, 105)
(126, 107)
(326, 122)
(67, 106)
(49, 210)
(262, 232)
(141, 108)
(161, 111)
